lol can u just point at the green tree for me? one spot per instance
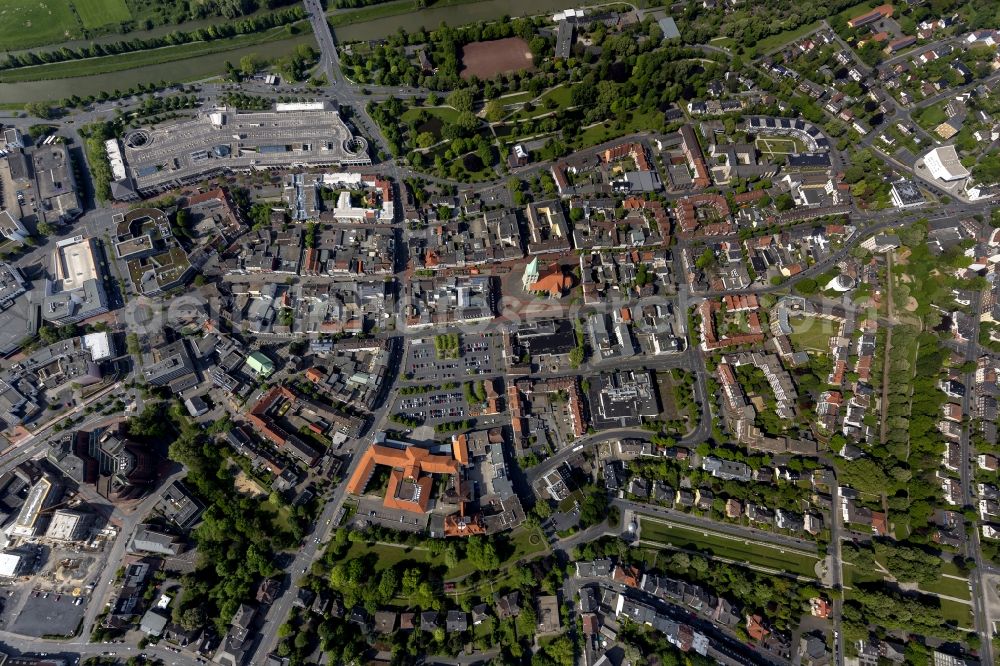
(39, 110)
(461, 100)
(482, 554)
(248, 64)
(494, 110)
(806, 287)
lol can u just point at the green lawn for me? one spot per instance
(854, 576)
(389, 555)
(340, 17)
(560, 95)
(517, 98)
(780, 145)
(957, 612)
(952, 587)
(720, 545)
(722, 42)
(96, 13)
(780, 39)
(948, 567)
(812, 333)
(26, 23)
(281, 518)
(904, 141)
(526, 542)
(370, 13)
(116, 63)
(931, 116)
(638, 122)
(317, 439)
(445, 113)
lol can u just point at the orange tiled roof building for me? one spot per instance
(553, 282)
(410, 482)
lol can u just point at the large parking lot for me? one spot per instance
(433, 408)
(49, 614)
(479, 354)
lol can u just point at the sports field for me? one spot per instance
(96, 13)
(487, 59)
(25, 23)
(780, 145)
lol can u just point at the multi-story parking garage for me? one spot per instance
(147, 161)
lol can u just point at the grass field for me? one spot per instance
(854, 576)
(730, 548)
(784, 145)
(95, 13)
(526, 542)
(931, 116)
(951, 587)
(638, 122)
(117, 63)
(812, 333)
(281, 518)
(340, 17)
(516, 98)
(780, 39)
(370, 13)
(903, 140)
(445, 113)
(560, 95)
(723, 42)
(26, 23)
(958, 612)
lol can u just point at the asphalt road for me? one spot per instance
(980, 605)
(78, 648)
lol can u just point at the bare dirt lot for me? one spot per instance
(487, 59)
(245, 484)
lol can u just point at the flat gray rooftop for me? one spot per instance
(228, 139)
